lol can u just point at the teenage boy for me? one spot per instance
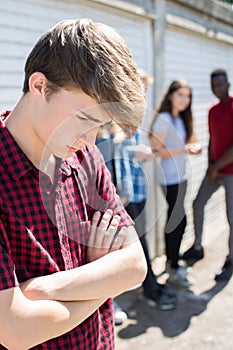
(136, 153)
(124, 157)
(66, 243)
(220, 170)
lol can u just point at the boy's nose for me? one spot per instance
(89, 137)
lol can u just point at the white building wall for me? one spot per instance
(187, 54)
(23, 21)
(193, 56)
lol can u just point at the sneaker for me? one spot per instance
(225, 272)
(179, 276)
(166, 290)
(193, 254)
(119, 315)
(162, 297)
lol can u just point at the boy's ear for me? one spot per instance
(37, 83)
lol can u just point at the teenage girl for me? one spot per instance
(172, 138)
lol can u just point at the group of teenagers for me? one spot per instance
(72, 222)
(172, 138)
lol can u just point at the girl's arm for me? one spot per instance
(159, 149)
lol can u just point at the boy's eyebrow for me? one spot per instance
(90, 117)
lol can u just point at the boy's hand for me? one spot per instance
(105, 236)
(214, 174)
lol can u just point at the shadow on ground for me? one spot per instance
(142, 315)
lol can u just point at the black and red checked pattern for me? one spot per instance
(43, 227)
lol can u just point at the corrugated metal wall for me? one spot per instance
(22, 22)
(187, 54)
(193, 56)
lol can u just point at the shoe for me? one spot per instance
(166, 302)
(225, 272)
(119, 315)
(162, 296)
(193, 254)
(179, 276)
(166, 290)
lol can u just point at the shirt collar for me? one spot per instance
(75, 159)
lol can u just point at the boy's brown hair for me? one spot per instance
(94, 58)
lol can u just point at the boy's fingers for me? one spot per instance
(104, 223)
(102, 228)
(94, 224)
(91, 240)
(111, 231)
(95, 218)
(113, 226)
(119, 240)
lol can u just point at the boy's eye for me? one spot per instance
(81, 117)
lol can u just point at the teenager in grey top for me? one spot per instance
(172, 169)
(172, 138)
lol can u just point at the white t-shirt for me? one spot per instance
(171, 170)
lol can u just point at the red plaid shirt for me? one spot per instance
(42, 226)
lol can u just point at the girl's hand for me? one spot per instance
(193, 148)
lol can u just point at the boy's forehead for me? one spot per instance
(219, 79)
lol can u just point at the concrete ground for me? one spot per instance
(203, 319)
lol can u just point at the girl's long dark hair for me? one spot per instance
(166, 106)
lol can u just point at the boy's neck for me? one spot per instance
(19, 125)
(225, 98)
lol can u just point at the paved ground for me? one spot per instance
(203, 319)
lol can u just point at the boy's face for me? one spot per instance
(220, 87)
(68, 121)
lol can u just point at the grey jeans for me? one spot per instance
(206, 190)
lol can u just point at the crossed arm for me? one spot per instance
(49, 306)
